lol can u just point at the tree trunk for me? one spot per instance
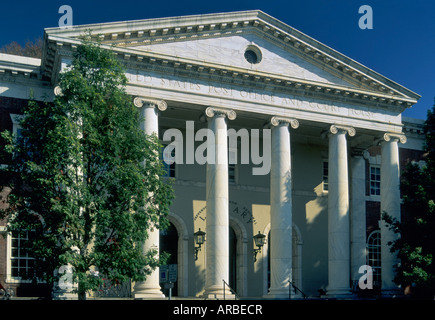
(82, 296)
(81, 292)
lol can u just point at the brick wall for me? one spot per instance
(7, 106)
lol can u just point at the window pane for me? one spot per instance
(325, 176)
(232, 173)
(374, 256)
(375, 181)
(168, 168)
(22, 264)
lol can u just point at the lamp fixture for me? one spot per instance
(259, 240)
(199, 237)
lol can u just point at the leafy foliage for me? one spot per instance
(86, 180)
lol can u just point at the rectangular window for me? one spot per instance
(22, 263)
(231, 173)
(325, 175)
(232, 160)
(375, 181)
(169, 168)
(19, 132)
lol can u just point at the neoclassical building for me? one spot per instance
(309, 144)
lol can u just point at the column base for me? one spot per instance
(339, 293)
(280, 294)
(144, 292)
(218, 293)
(62, 294)
(149, 296)
(392, 293)
(220, 296)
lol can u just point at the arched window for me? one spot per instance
(374, 256)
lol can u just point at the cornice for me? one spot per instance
(18, 66)
(413, 127)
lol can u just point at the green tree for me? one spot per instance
(86, 180)
(416, 245)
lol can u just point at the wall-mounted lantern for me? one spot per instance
(259, 240)
(199, 237)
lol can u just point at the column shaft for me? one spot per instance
(390, 204)
(150, 123)
(281, 210)
(217, 197)
(150, 288)
(358, 215)
(338, 214)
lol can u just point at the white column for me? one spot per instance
(217, 197)
(63, 289)
(281, 209)
(150, 288)
(390, 204)
(338, 213)
(358, 213)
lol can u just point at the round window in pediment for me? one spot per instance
(253, 55)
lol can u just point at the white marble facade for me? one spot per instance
(318, 104)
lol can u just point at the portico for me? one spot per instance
(247, 70)
(341, 249)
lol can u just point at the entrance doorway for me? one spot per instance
(232, 259)
(169, 245)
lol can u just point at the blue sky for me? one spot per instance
(401, 45)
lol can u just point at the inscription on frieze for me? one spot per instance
(253, 95)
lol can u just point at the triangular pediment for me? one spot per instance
(231, 51)
(218, 42)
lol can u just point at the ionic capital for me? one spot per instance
(275, 121)
(334, 129)
(210, 112)
(141, 101)
(390, 137)
(57, 91)
(358, 152)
